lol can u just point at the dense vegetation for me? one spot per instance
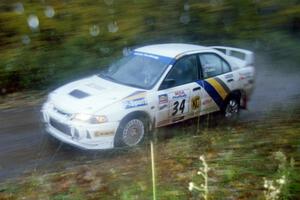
(44, 43)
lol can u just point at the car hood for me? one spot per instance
(89, 95)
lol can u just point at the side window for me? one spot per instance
(213, 65)
(184, 71)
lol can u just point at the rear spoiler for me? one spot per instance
(240, 55)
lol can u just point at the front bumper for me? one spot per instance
(81, 135)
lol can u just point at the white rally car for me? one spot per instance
(154, 86)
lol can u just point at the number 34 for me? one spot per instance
(180, 105)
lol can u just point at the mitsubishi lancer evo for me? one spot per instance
(153, 86)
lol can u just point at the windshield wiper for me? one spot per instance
(107, 77)
(134, 85)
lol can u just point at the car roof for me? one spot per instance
(171, 49)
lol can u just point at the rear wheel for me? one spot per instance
(231, 108)
(131, 132)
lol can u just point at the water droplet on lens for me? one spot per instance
(126, 51)
(104, 50)
(185, 18)
(3, 90)
(109, 2)
(26, 39)
(111, 11)
(94, 30)
(216, 2)
(49, 12)
(19, 8)
(186, 7)
(33, 21)
(113, 27)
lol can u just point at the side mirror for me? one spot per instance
(167, 83)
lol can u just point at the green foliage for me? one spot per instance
(84, 36)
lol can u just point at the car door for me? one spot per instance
(217, 81)
(179, 94)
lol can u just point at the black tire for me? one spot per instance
(231, 107)
(131, 132)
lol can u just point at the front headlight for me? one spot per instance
(93, 119)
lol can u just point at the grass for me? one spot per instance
(239, 155)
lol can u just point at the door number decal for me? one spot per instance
(179, 102)
(178, 106)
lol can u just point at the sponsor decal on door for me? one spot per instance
(195, 102)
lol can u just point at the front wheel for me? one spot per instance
(130, 133)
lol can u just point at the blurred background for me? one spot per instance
(46, 43)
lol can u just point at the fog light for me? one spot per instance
(88, 135)
(76, 134)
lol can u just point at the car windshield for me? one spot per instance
(138, 70)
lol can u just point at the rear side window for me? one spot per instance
(213, 65)
(225, 66)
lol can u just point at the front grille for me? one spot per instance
(61, 112)
(61, 127)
